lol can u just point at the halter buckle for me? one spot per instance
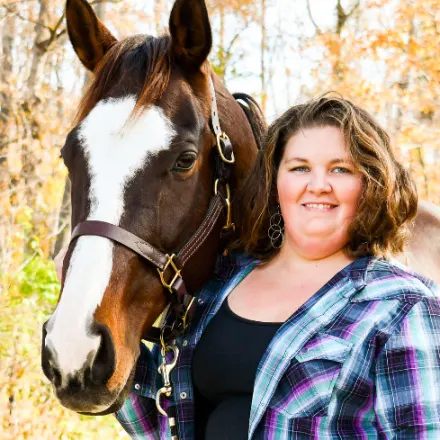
(185, 316)
(222, 139)
(177, 274)
(229, 224)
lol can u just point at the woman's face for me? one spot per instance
(318, 191)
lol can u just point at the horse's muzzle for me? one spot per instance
(85, 390)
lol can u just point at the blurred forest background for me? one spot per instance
(382, 54)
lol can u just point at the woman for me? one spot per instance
(313, 333)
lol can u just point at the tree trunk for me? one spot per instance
(38, 50)
(8, 181)
(158, 13)
(221, 49)
(263, 55)
(5, 94)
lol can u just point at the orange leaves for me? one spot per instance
(387, 60)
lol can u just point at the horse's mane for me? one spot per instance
(145, 59)
(254, 115)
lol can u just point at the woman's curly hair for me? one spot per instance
(389, 199)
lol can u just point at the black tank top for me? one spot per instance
(224, 368)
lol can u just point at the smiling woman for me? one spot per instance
(329, 151)
(319, 335)
(318, 191)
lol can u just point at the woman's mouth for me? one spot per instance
(319, 206)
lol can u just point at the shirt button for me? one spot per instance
(183, 395)
(200, 301)
(137, 387)
(185, 343)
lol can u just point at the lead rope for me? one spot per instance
(167, 365)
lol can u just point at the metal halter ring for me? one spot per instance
(229, 224)
(177, 274)
(221, 138)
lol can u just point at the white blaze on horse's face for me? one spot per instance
(114, 153)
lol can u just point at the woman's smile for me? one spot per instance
(318, 191)
(319, 207)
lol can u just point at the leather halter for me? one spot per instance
(169, 267)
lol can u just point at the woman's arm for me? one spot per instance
(408, 376)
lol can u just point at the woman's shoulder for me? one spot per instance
(386, 279)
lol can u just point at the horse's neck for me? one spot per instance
(423, 252)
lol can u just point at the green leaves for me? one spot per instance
(38, 279)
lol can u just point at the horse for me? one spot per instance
(422, 253)
(157, 149)
(147, 151)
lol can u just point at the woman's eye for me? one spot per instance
(185, 162)
(341, 170)
(300, 169)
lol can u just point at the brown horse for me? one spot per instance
(141, 156)
(423, 252)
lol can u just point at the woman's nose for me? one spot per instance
(319, 183)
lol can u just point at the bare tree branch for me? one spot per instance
(234, 40)
(343, 16)
(54, 36)
(353, 9)
(311, 16)
(21, 17)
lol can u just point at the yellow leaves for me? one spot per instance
(28, 408)
(372, 4)
(14, 162)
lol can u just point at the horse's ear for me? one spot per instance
(89, 37)
(190, 32)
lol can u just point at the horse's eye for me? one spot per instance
(185, 162)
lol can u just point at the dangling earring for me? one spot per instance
(276, 229)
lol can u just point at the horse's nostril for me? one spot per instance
(104, 362)
(75, 383)
(56, 377)
(50, 369)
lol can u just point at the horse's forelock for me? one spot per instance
(143, 58)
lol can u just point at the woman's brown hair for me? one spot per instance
(389, 198)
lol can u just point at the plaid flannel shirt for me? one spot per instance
(359, 360)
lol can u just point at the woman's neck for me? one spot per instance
(291, 260)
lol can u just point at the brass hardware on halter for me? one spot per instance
(223, 137)
(229, 224)
(169, 263)
(185, 316)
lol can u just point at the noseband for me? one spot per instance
(169, 267)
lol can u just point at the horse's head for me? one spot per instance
(140, 157)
